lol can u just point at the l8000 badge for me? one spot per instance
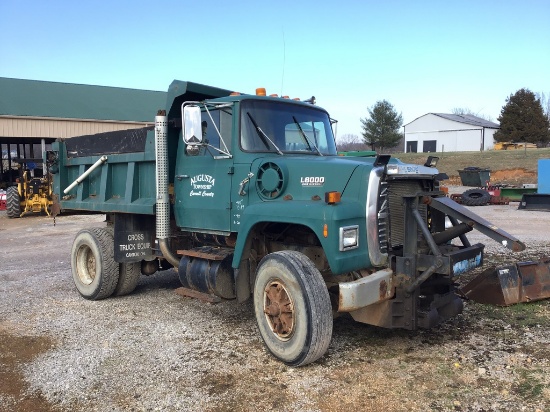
(312, 180)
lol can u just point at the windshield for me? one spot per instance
(285, 128)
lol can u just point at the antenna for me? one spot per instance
(284, 61)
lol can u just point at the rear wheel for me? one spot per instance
(293, 309)
(95, 272)
(13, 202)
(128, 278)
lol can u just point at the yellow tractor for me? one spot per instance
(31, 195)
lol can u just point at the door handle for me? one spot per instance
(180, 177)
(242, 185)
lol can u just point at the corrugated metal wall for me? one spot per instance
(11, 126)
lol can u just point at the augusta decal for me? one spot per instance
(202, 185)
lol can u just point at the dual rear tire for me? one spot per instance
(96, 275)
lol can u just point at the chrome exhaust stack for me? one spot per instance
(163, 199)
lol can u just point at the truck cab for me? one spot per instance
(238, 153)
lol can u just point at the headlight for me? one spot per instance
(349, 237)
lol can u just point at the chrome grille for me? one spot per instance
(383, 217)
(396, 190)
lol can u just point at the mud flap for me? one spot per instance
(508, 285)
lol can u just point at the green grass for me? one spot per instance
(520, 315)
(528, 386)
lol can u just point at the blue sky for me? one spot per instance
(421, 56)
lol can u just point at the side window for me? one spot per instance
(222, 120)
(226, 126)
(209, 134)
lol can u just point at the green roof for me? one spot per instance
(19, 97)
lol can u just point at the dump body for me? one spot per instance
(125, 185)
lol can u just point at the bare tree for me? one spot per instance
(467, 111)
(350, 142)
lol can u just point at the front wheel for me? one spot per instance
(13, 202)
(95, 272)
(293, 308)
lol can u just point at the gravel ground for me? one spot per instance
(157, 351)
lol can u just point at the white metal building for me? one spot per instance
(441, 132)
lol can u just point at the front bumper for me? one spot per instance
(366, 291)
(395, 299)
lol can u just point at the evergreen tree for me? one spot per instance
(522, 120)
(381, 127)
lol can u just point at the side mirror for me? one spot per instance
(192, 128)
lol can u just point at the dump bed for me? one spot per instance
(125, 183)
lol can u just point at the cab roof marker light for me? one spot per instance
(234, 94)
(260, 91)
(274, 95)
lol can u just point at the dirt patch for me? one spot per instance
(15, 351)
(515, 177)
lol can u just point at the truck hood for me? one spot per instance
(304, 177)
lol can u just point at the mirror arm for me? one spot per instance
(217, 131)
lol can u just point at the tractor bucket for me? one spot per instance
(507, 285)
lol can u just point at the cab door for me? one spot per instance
(202, 183)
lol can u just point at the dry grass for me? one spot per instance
(514, 166)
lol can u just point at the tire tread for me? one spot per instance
(475, 197)
(128, 278)
(13, 203)
(314, 293)
(321, 309)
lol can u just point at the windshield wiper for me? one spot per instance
(304, 136)
(262, 135)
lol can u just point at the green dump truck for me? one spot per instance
(245, 196)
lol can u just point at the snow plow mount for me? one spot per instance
(424, 294)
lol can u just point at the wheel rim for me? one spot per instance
(279, 310)
(86, 265)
